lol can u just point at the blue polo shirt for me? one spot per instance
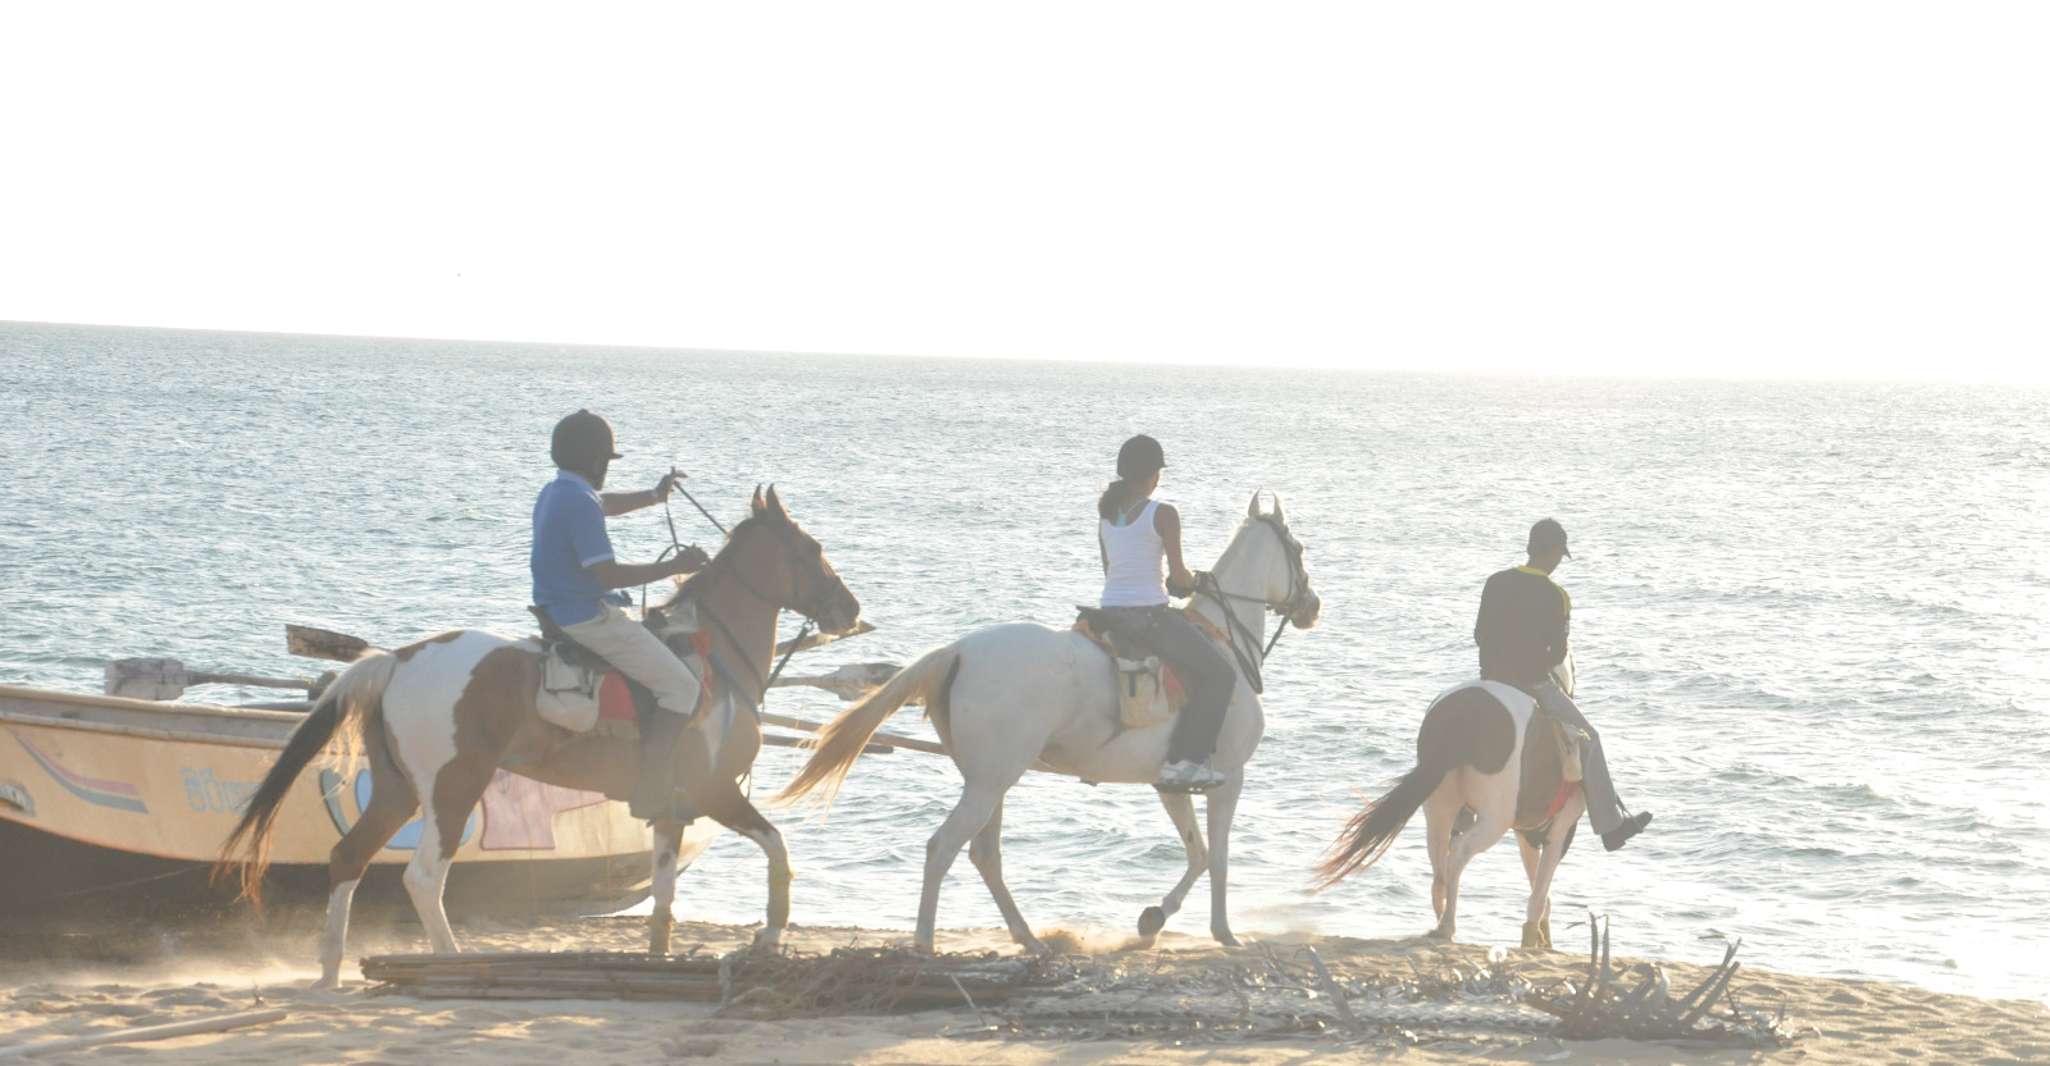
(569, 535)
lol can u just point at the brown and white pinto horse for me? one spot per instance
(438, 718)
(1480, 772)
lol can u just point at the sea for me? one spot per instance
(1812, 619)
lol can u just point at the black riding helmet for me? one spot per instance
(581, 439)
(1139, 457)
(1548, 535)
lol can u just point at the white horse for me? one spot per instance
(1478, 775)
(1009, 696)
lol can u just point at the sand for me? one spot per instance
(1842, 1021)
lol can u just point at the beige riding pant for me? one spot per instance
(640, 655)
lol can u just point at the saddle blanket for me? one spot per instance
(1149, 691)
(582, 695)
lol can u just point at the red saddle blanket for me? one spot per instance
(616, 699)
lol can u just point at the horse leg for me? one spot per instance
(1558, 838)
(1182, 808)
(1220, 804)
(1489, 825)
(668, 843)
(391, 803)
(1535, 912)
(733, 810)
(986, 851)
(978, 802)
(458, 785)
(1441, 811)
(425, 877)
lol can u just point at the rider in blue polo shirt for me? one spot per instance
(574, 578)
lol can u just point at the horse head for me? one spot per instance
(781, 563)
(1277, 564)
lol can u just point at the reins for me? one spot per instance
(1235, 631)
(739, 646)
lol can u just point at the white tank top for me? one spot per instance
(1137, 574)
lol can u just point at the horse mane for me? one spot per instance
(688, 587)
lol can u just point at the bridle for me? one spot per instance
(810, 607)
(1237, 636)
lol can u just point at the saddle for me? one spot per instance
(1149, 691)
(583, 693)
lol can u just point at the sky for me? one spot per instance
(1726, 190)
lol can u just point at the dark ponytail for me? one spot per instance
(1113, 498)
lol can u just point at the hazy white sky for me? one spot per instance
(1730, 189)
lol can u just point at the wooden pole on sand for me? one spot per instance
(217, 1024)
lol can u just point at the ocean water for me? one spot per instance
(1812, 620)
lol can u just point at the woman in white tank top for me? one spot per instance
(1141, 540)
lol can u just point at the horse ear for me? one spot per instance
(756, 506)
(776, 506)
(1253, 509)
(1277, 510)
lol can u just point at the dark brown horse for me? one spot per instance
(438, 718)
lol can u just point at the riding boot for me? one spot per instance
(655, 793)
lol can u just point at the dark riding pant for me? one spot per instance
(1210, 678)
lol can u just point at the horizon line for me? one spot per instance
(1055, 360)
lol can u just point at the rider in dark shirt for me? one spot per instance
(1522, 631)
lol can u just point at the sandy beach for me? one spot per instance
(181, 978)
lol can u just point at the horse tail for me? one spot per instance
(349, 701)
(1440, 748)
(843, 739)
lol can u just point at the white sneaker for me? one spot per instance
(1186, 776)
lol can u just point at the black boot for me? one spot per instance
(655, 794)
(1633, 825)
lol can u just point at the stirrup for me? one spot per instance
(1191, 777)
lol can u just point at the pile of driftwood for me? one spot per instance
(1600, 1006)
(1260, 994)
(849, 980)
(1267, 994)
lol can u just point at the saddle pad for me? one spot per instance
(1568, 737)
(1551, 769)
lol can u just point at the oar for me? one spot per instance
(892, 739)
(327, 644)
(820, 640)
(324, 644)
(778, 740)
(316, 643)
(849, 682)
(167, 679)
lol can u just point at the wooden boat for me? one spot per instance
(126, 801)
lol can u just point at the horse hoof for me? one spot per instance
(325, 984)
(1226, 939)
(1035, 947)
(1439, 934)
(1151, 921)
(767, 941)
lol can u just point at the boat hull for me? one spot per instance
(107, 796)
